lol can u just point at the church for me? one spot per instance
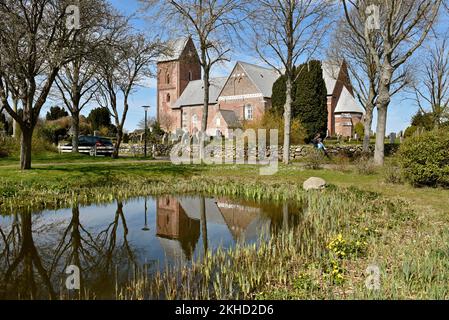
(244, 95)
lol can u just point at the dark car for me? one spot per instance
(92, 145)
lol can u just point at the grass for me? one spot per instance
(394, 226)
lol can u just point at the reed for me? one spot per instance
(318, 259)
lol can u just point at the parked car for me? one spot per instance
(92, 145)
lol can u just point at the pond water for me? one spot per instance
(110, 242)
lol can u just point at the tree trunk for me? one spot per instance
(204, 224)
(75, 131)
(368, 123)
(383, 101)
(25, 148)
(119, 137)
(287, 120)
(206, 102)
(379, 155)
(15, 125)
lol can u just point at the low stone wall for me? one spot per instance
(296, 152)
(160, 150)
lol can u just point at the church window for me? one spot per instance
(168, 97)
(218, 122)
(248, 112)
(167, 78)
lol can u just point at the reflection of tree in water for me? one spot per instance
(25, 273)
(111, 256)
(281, 216)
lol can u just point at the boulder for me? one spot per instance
(314, 184)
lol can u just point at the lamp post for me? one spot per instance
(146, 128)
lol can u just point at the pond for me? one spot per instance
(111, 243)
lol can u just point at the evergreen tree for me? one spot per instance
(310, 104)
(99, 117)
(56, 113)
(278, 96)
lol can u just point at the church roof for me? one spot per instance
(175, 49)
(192, 207)
(347, 103)
(263, 78)
(331, 71)
(193, 95)
(230, 118)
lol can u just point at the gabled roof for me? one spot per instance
(331, 71)
(263, 78)
(347, 103)
(176, 48)
(230, 118)
(192, 207)
(193, 95)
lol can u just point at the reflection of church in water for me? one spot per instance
(180, 221)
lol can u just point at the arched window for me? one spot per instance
(248, 112)
(190, 75)
(168, 97)
(167, 78)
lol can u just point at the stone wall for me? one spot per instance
(296, 152)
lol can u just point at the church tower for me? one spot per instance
(174, 72)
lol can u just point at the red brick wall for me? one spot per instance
(343, 80)
(345, 124)
(178, 71)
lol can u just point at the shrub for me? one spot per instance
(392, 174)
(424, 159)
(410, 131)
(314, 159)
(273, 121)
(365, 166)
(359, 129)
(342, 162)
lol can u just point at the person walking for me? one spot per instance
(318, 143)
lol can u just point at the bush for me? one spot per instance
(273, 121)
(314, 159)
(410, 131)
(342, 162)
(424, 159)
(359, 129)
(392, 173)
(365, 166)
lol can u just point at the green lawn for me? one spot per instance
(66, 171)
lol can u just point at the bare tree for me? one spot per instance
(126, 64)
(76, 83)
(433, 91)
(211, 23)
(403, 25)
(37, 38)
(284, 32)
(348, 47)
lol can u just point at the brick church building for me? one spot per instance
(244, 95)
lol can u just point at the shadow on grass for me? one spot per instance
(118, 170)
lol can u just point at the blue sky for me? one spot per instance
(400, 112)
